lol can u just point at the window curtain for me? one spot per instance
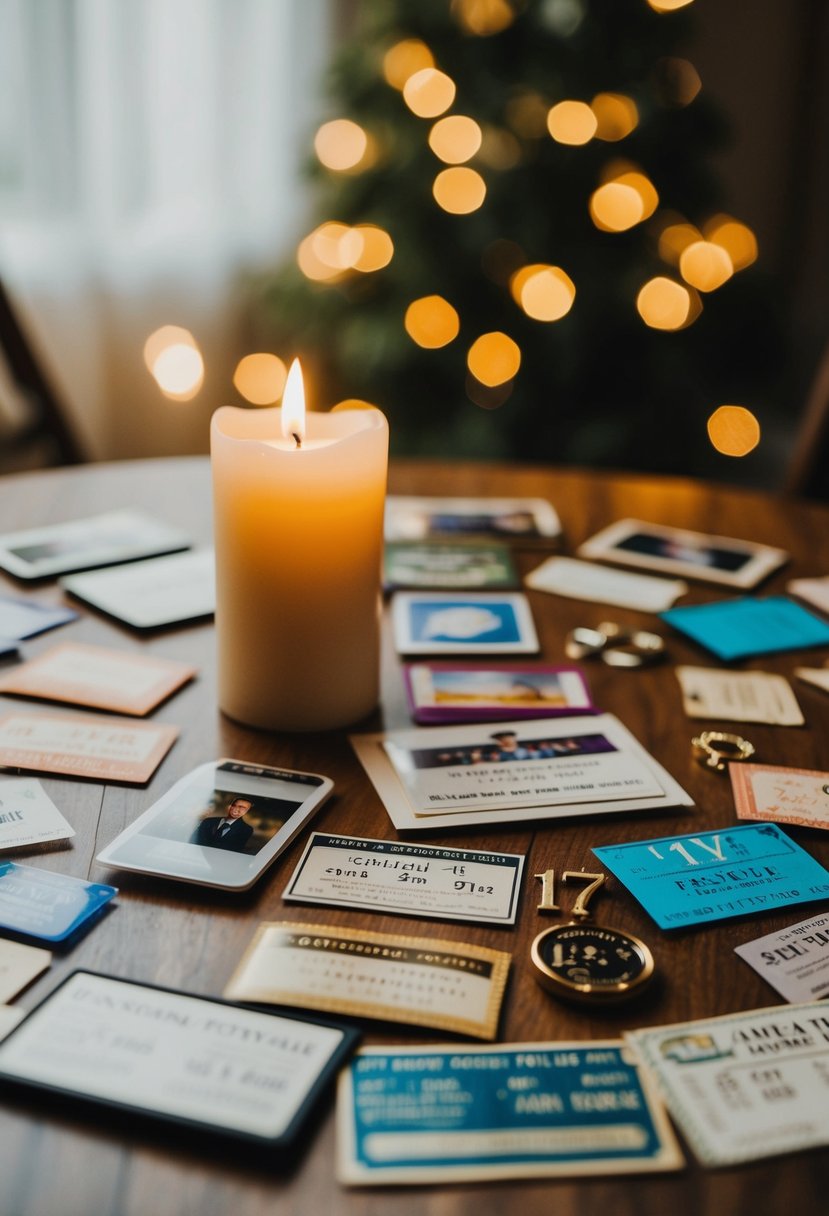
(150, 157)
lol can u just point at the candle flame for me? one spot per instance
(293, 404)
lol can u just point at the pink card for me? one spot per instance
(781, 795)
(127, 682)
(109, 749)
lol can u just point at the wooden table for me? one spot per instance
(61, 1165)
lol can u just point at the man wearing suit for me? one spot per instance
(228, 831)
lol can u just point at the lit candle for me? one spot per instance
(298, 514)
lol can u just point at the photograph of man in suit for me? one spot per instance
(228, 831)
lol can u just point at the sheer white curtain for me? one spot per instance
(150, 153)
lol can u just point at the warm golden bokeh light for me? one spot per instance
(340, 144)
(737, 239)
(459, 190)
(664, 304)
(674, 238)
(455, 139)
(431, 322)
(179, 371)
(733, 430)
(377, 248)
(404, 59)
(499, 148)
(616, 116)
(546, 293)
(312, 265)
(705, 265)
(667, 6)
(429, 93)
(527, 115)
(352, 403)
(572, 122)
(483, 17)
(493, 358)
(160, 339)
(678, 81)
(615, 207)
(260, 378)
(644, 187)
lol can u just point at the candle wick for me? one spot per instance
(297, 438)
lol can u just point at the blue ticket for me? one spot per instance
(518, 1111)
(734, 629)
(707, 876)
(47, 906)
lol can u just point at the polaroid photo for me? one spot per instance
(471, 567)
(121, 681)
(443, 623)
(465, 776)
(511, 519)
(203, 1064)
(101, 540)
(441, 693)
(112, 749)
(695, 555)
(221, 826)
(151, 594)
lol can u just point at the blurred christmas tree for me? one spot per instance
(519, 252)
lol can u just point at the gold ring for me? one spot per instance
(715, 749)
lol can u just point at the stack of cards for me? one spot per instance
(513, 771)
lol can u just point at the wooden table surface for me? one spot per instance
(59, 1164)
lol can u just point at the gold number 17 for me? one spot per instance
(548, 890)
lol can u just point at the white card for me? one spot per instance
(814, 591)
(738, 696)
(819, 676)
(152, 593)
(746, 1086)
(601, 585)
(9, 1017)
(393, 876)
(28, 816)
(795, 961)
(19, 965)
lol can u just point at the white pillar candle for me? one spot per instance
(298, 513)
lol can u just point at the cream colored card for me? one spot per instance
(9, 1017)
(819, 676)
(420, 981)
(19, 965)
(28, 816)
(110, 749)
(781, 795)
(814, 591)
(122, 681)
(738, 696)
(600, 585)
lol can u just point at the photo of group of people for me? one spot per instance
(503, 746)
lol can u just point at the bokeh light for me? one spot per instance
(431, 322)
(545, 293)
(674, 238)
(459, 190)
(483, 17)
(737, 239)
(668, 6)
(733, 430)
(352, 403)
(404, 59)
(663, 303)
(705, 265)
(377, 248)
(677, 81)
(175, 362)
(341, 144)
(616, 116)
(429, 92)
(260, 378)
(643, 186)
(499, 148)
(493, 358)
(455, 139)
(527, 115)
(572, 122)
(615, 207)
